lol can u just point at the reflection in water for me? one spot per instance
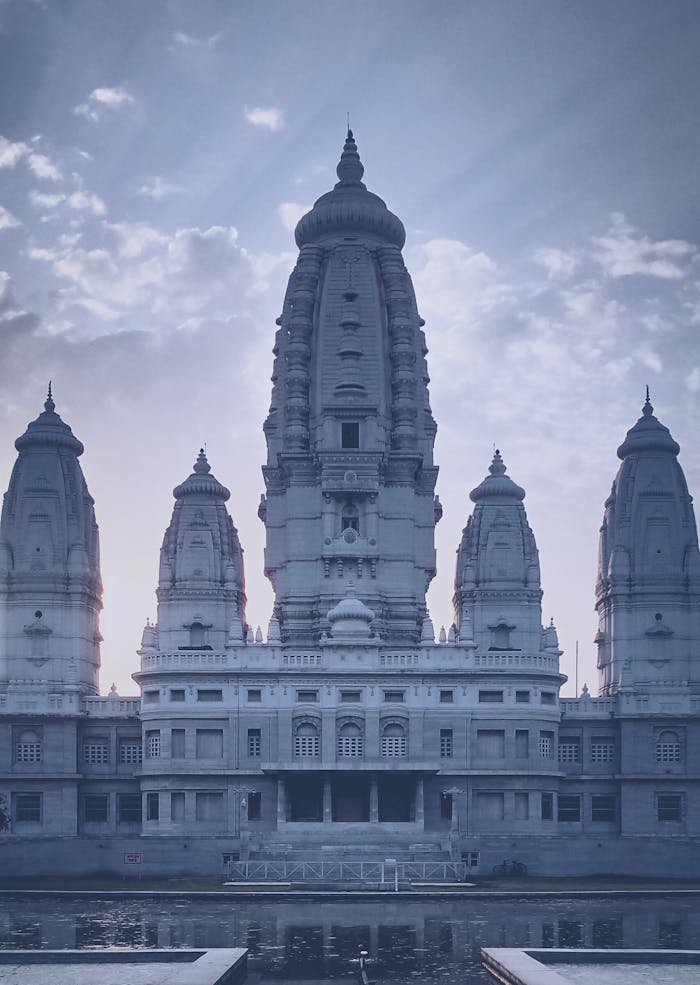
(434, 942)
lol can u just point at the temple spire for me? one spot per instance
(647, 409)
(350, 169)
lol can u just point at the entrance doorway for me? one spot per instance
(396, 796)
(350, 798)
(305, 798)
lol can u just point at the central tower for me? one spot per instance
(350, 478)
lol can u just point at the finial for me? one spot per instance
(647, 409)
(350, 169)
(48, 403)
(202, 466)
(497, 467)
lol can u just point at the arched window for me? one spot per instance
(350, 518)
(196, 634)
(501, 636)
(393, 742)
(350, 740)
(28, 747)
(668, 748)
(307, 742)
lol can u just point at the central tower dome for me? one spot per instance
(349, 475)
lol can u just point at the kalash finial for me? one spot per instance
(202, 466)
(49, 405)
(350, 168)
(497, 467)
(647, 409)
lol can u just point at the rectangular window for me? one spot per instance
(490, 743)
(177, 805)
(394, 697)
(351, 697)
(393, 746)
(254, 743)
(522, 805)
(547, 807)
(177, 694)
(350, 434)
(522, 743)
(445, 743)
(254, 694)
(177, 743)
(153, 744)
(668, 752)
(95, 752)
(27, 806)
(151, 697)
(95, 808)
(471, 859)
(210, 743)
(307, 746)
(602, 750)
(548, 698)
(569, 750)
(209, 694)
(491, 697)
(546, 745)
(489, 806)
(209, 806)
(669, 807)
(446, 697)
(152, 806)
(568, 807)
(350, 746)
(130, 752)
(307, 697)
(446, 806)
(28, 752)
(602, 807)
(522, 697)
(128, 808)
(254, 805)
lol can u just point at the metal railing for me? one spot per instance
(386, 873)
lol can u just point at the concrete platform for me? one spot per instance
(214, 966)
(573, 966)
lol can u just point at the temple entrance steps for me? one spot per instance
(369, 851)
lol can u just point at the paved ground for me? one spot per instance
(520, 886)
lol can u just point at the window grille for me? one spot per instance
(254, 743)
(602, 750)
(28, 752)
(668, 748)
(130, 753)
(152, 745)
(569, 751)
(96, 753)
(350, 743)
(546, 745)
(445, 743)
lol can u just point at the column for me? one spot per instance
(420, 803)
(327, 799)
(281, 803)
(373, 799)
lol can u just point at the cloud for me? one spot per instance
(79, 201)
(290, 213)
(135, 238)
(14, 152)
(103, 100)
(158, 188)
(623, 252)
(8, 220)
(268, 117)
(559, 264)
(183, 40)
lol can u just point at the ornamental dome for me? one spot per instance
(349, 208)
(648, 434)
(497, 484)
(200, 482)
(49, 429)
(350, 618)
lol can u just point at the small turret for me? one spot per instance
(50, 584)
(648, 586)
(201, 593)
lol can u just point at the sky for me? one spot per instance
(542, 154)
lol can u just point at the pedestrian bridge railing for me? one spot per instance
(386, 872)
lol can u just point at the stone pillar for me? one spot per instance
(281, 803)
(327, 799)
(373, 799)
(420, 804)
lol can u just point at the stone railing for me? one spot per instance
(591, 707)
(111, 705)
(516, 660)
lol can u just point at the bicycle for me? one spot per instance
(510, 867)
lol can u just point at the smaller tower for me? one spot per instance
(50, 585)
(648, 587)
(201, 586)
(497, 585)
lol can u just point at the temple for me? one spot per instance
(349, 729)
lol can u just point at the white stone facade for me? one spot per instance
(349, 727)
